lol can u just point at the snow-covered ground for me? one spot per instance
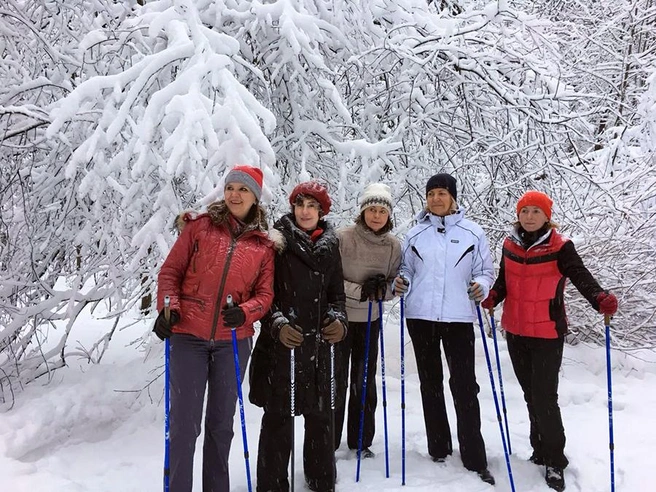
(100, 427)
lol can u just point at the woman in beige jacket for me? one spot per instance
(371, 257)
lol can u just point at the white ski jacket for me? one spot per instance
(441, 256)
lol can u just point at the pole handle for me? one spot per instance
(167, 308)
(230, 304)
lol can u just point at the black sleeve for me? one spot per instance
(500, 283)
(336, 295)
(571, 266)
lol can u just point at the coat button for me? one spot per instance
(316, 273)
(316, 300)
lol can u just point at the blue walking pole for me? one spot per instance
(382, 376)
(235, 352)
(503, 396)
(496, 399)
(167, 397)
(364, 392)
(402, 397)
(611, 442)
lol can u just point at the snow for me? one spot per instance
(99, 427)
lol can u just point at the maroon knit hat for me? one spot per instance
(314, 189)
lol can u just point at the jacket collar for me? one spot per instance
(515, 235)
(446, 222)
(368, 235)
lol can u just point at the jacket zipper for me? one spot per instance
(224, 276)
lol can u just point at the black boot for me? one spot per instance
(367, 453)
(555, 478)
(536, 459)
(486, 476)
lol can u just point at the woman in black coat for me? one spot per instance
(308, 315)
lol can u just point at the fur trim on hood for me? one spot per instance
(218, 213)
(278, 240)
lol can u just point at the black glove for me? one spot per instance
(233, 317)
(162, 327)
(374, 288)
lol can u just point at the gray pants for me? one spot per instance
(195, 364)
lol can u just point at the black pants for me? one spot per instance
(353, 348)
(195, 365)
(275, 449)
(536, 362)
(458, 342)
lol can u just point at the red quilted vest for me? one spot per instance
(534, 299)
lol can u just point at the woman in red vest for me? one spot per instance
(536, 263)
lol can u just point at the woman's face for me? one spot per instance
(532, 218)
(306, 213)
(376, 217)
(239, 199)
(439, 201)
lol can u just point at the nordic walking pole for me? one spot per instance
(382, 376)
(503, 396)
(364, 391)
(167, 396)
(332, 408)
(292, 400)
(611, 442)
(332, 316)
(402, 396)
(235, 352)
(292, 406)
(494, 393)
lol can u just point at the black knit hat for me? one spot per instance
(443, 180)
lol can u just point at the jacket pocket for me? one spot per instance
(199, 303)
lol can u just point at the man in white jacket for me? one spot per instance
(446, 268)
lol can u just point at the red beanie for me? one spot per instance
(535, 199)
(315, 190)
(247, 175)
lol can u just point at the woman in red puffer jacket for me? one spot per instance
(225, 251)
(536, 263)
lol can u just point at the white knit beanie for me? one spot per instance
(378, 195)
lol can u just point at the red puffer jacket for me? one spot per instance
(206, 264)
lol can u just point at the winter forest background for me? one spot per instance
(116, 115)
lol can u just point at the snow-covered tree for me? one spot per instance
(117, 115)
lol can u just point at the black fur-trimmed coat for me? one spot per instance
(308, 288)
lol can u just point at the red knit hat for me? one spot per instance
(314, 189)
(247, 175)
(535, 199)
